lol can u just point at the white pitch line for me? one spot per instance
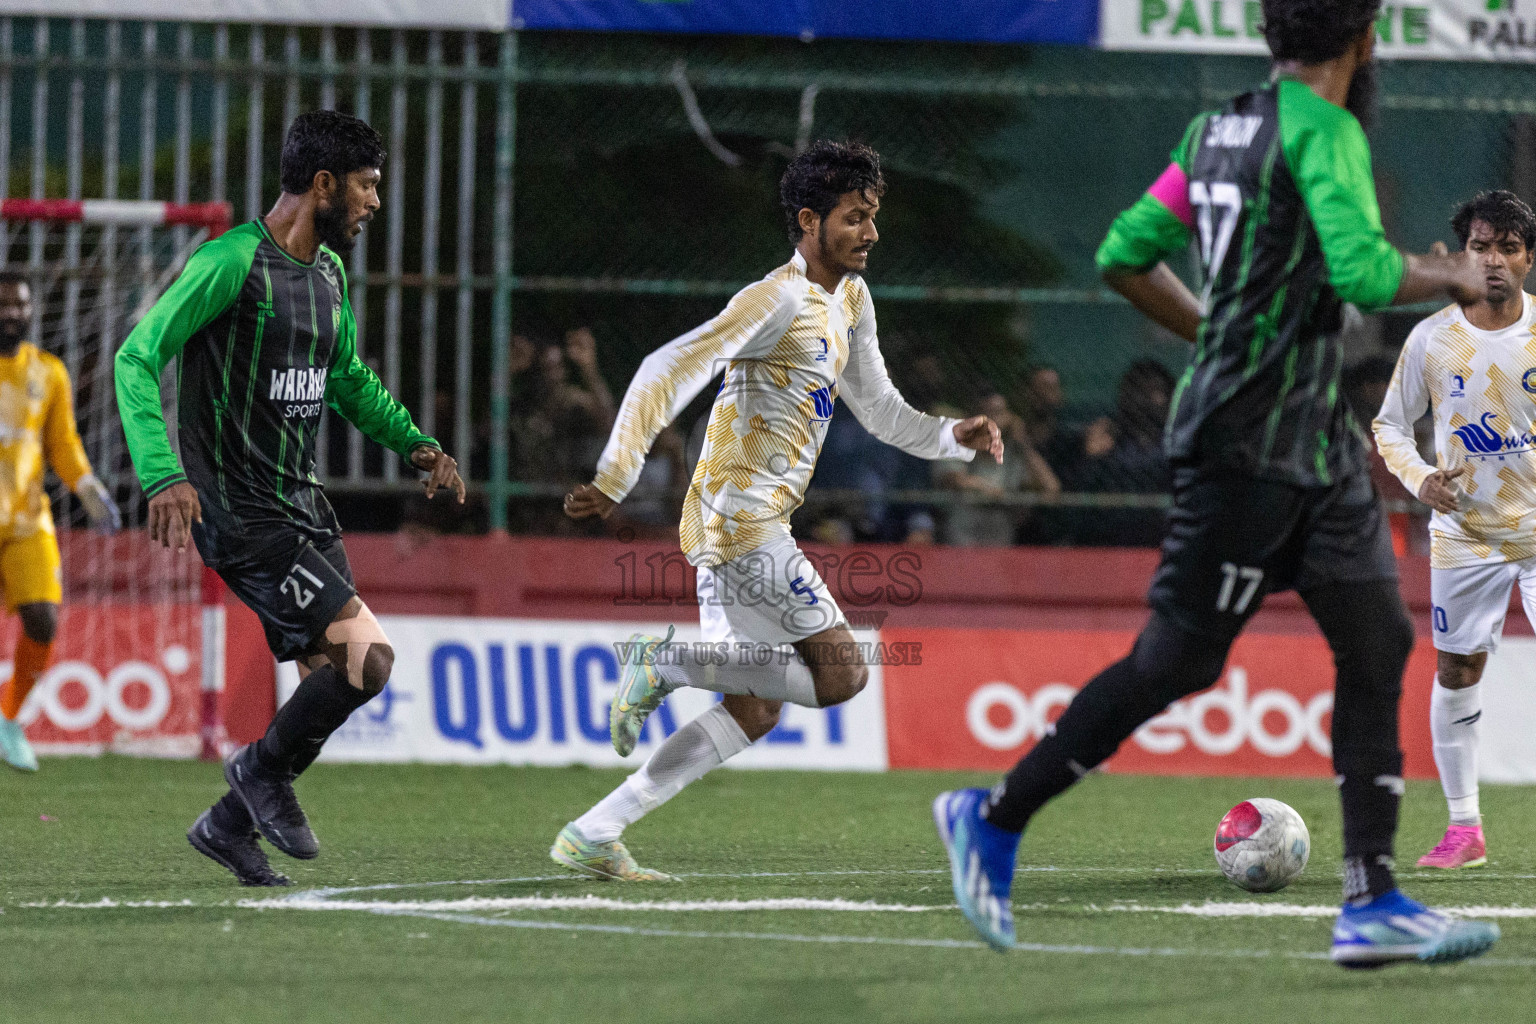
(1258, 909)
(315, 900)
(487, 903)
(728, 875)
(106, 903)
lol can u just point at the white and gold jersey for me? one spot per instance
(1482, 386)
(788, 348)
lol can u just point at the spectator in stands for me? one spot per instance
(560, 427)
(654, 505)
(1023, 470)
(1043, 401)
(926, 387)
(853, 460)
(1123, 454)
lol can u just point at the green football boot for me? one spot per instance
(14, 748)
(641, 691)
(605, 860)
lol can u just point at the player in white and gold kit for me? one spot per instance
(1476, 365)
(37, 430)
(789, 346)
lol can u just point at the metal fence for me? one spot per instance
(644, 170)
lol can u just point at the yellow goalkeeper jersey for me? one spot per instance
(37, 422)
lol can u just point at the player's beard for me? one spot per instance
(1361, 100)
(830, 258)
(332, 229)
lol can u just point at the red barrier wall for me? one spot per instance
(1037, 589)
(996, 588)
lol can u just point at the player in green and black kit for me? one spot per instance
(1270, 490)
(261, 322)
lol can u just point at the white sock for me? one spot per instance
(786, 676)
(1453, 716)
(688, 754)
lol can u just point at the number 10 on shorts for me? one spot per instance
(1249, 576)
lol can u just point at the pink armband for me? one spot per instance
(1172, 190)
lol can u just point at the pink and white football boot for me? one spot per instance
(1462, 847)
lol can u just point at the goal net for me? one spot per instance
(138, 659)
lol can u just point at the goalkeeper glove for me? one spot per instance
(93, 494)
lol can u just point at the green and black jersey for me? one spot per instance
(1276, 189)
(264, 342)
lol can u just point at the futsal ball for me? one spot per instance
(1262, 845)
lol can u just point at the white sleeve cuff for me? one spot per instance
(949, 448)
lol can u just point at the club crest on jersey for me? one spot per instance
(1528, 381)
(1483, 441)
(821, 400)
(1459, 385)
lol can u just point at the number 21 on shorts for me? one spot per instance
(1231, 575)
(302, 595)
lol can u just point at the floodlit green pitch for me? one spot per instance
(806, 897)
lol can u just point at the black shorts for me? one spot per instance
(295, 586)
(1233, 539)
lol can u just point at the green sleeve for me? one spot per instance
(356, 392)
(208, 286)
(1143, 236)
(1330, 159)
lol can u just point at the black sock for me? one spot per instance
(1371, 637)
(1370, 799)
(1166, 664)
(1365, 878)
(323, 701)
(230, 816)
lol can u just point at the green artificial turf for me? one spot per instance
(88, 831)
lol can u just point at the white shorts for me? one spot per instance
(770, 595)
(1470, 603)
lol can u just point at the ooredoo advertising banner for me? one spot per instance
(125, 678)
(981, 698)
(531, 691)
(1495, 30)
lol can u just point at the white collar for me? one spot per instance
(1521, 324)
(799, 263)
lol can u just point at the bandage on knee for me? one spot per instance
(357, 633)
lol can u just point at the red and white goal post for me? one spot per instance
(139, 659)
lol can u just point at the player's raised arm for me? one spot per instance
(669, 378)
(1159, 223)
(866, 386)
(1330, 158)
(357, 394)
(66, 455)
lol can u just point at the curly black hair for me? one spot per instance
(816, 179)
(1313, 31)
(327, 140)
(1501, 210)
